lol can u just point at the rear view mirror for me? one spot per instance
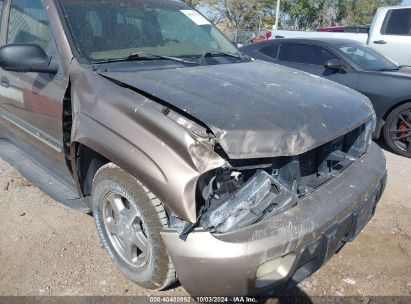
(26, 58)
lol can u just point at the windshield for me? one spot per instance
(368, 59)
(115, 29)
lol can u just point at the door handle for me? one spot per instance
(380, 42)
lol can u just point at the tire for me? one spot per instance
(398, 124)
(129, 219)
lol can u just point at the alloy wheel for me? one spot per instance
(400, 131)
(125, 229)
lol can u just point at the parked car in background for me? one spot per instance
(197, 162)
(390, 33)
(357, 66)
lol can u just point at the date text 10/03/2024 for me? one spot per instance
(165, 299)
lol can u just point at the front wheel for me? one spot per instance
(397, 130)
(129, 219)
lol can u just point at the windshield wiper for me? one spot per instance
(219, 53)
(143, 57)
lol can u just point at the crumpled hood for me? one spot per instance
(256, 109)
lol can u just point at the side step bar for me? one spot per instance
(46, 181)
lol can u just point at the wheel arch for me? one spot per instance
(381, 122)
(87, 163)
(100, 145)
(396, 105)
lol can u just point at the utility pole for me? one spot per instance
(277, 15)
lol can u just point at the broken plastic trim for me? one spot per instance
(260, 197)
(363, 142)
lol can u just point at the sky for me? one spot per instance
(406, 2)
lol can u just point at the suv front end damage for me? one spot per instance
(281, 248)
(266, 224)
(269, 202)
(247, 191)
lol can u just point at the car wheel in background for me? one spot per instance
(397, 130)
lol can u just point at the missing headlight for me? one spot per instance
(362, 138)
(260, 197)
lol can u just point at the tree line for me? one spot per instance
(294, 14)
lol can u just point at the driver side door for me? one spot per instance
(32, 103)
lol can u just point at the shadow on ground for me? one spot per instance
(296, 295)
(382, 144)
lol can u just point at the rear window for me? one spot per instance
(397, 22)
(304, 53)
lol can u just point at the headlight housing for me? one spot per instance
(260, 197)
(369, 131)
(363, 140)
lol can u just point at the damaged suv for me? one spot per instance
(196, 161)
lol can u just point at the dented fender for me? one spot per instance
(127, 129)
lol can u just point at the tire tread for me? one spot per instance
(158, 207)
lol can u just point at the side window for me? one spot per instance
(270, 51)
(397, 22)
(28, 23)
(303, 53)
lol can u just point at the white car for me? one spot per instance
(390, 33)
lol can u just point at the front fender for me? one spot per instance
(122, 126)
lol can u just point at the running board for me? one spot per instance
(53, 186)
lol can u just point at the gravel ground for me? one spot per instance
(48, 249)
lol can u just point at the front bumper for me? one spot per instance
(305, 237)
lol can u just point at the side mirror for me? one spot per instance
(334, 64)
(26, 58)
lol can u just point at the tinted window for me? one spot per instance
(28, 23)
(303, 53)
(270, 51)
(397, 22)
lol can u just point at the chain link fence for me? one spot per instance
(244, 36)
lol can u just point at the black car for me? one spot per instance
(356, 66)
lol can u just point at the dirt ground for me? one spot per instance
(48, 249)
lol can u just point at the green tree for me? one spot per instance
(360, 11)
(309, 14)
(235, 13)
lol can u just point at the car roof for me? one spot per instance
(318, 41)
(329, 41)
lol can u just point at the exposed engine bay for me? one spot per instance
(249, 191)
